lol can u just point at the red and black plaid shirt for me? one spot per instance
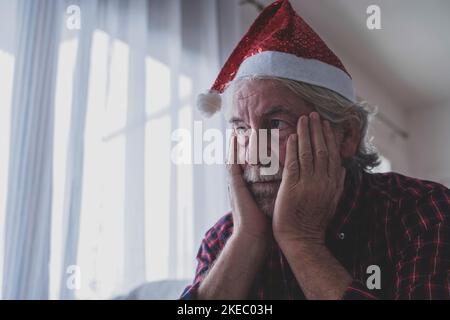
(398, 223)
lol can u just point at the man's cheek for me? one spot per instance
(242, 150)
(282, 151)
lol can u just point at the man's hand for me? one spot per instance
(311, 187)
(233, 273)
(312, 184)
(248, 219)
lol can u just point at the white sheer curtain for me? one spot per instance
(29, 194)
(112, 204)
(7, 60)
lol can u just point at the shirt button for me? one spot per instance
(341, 236)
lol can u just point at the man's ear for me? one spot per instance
(350, 139)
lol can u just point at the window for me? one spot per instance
(113, 187)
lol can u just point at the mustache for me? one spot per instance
(253, 174)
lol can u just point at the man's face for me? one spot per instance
(265, 104)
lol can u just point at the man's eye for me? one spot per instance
(277, 124)
(241, 130)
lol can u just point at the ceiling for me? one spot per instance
(408, 59)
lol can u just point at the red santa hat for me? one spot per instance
(280, 43)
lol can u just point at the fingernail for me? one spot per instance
(314, 115)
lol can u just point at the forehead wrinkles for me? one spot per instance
(256, 106)
(244, 100)
(254, 96)
(251, 107)
(252, 99)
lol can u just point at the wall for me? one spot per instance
(429, 148)
(390, 144)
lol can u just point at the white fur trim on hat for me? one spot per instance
(290, 66)
(209, 103)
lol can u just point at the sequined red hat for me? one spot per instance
(280, 43)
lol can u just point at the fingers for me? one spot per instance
(319, 148)
(318, 151)
(291, 166)
(305, 156)
(334, 158)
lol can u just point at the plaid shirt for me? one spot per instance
(398, 223)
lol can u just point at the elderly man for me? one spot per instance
(322, 227)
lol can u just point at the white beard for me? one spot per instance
(264, 194)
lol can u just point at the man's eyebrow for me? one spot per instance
(269, 112)
(235, 119)
(279, 109)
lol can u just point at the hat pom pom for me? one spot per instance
(209, 103)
